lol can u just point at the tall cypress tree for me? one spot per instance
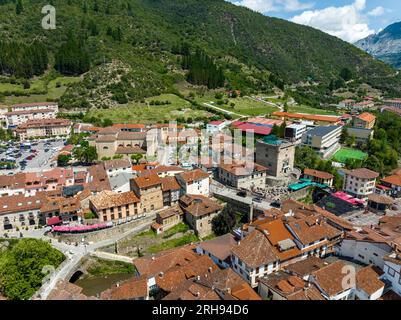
(19, 8)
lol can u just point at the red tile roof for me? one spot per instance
(307, 117)
(147, 181)
(318, 174)
(366, 116)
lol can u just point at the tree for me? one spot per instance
(26, 85)
(63, 160)
(85, 154)
(107, 123)
(346, 74)
(19, 8)
(22, 265)
(72, 58)
(344, 135)
(136, 157)
(224, 223)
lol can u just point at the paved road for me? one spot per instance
(223, 110)
(266, 102)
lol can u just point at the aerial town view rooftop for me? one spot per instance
(245, 158)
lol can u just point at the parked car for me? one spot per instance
(258, 200)
(241, 194)
(276, 204)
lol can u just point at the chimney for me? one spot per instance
(198, 278)
(153, 259)
(210, 269)
(161, 274)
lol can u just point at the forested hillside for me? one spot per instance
(157, 43)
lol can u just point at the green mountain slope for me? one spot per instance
(141, 36)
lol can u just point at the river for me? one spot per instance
(93, 286)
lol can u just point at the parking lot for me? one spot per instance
(32, 156)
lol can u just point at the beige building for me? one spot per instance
(168, 218)
(243, 175)
(15, 118)
(113, 141)
(199, 213)
(149, 189)
(276, 155)
(360, 183)
(43, 128)
(111, 206)
(364, 121)
(35, 106)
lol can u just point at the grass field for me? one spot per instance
(146, 113)
(310, 110)
(346, 153)
(49, 90)
(242, 105)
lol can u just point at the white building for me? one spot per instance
(195, 182)
(360, 182)
(325, 140)
(392, 271)
(35, 106)
(294, 132)
(117, 166)
(215, 126)
(16, 118)
(364, 251)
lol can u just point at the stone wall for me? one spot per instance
(297, 195)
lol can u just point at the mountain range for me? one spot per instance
(385, 45)
(132, 46)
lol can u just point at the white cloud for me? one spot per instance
(376, 12)
(349, 22)
(265, 6)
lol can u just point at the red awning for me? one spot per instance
(53, 221)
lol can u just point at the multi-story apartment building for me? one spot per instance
(243, 175)
(117, 166)
(43, 128)
(35, 106)
(294, 132)
(30, 183)
(279, 242)
(396, 103)
(360, 183)
(16, 118)
(171, 191)
(111, 206)
(195, 182)
(364, 121)
(149, 189)
(325, 140)
(277, 155)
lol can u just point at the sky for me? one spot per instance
(350, 20)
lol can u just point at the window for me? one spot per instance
(391, 271)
